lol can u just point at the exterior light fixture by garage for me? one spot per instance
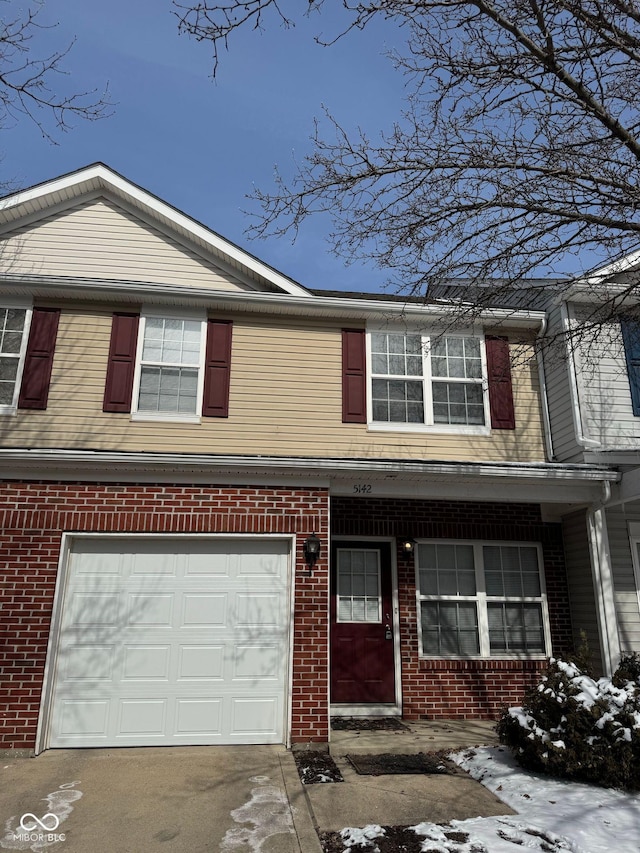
(407, 545)
(311, 550)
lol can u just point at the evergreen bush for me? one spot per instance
(575, 727)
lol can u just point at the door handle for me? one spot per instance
(388, 634)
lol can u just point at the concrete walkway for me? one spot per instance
(404, 799)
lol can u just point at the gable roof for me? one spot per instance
(98, 179)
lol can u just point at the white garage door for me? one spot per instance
(168, 641)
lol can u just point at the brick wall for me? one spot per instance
(446, 688)
(33, 516)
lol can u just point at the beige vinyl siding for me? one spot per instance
(286, 399)
(580, 583)
(625, 592)
(97, 239)
(560, 398)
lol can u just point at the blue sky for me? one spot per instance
(201, 144)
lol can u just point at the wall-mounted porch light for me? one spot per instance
(407, 545)
(311, 549)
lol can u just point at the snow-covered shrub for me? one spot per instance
(577, 728)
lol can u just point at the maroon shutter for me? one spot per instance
(36, 376)
(121, 365)
(354, 377)
(500, 389)
(217, 369)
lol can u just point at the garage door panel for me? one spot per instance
(149, 610)
(95, 609)
(253, 716)
(89, 663)
(199, 716)
(257, 610)
(200, 609)
(146, 663)
(77, 720)
(194, 653)
(255, 663)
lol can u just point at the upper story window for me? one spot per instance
(416, 379)
(14, 323)
(170, 367)
(481, 599)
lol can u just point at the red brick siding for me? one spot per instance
(33, 516)
(450, 689)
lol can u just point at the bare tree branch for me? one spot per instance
(518, 144)
(33, 87)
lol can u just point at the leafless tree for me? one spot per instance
(516, 147)
(33, 80)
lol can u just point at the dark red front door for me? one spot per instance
(362, 658)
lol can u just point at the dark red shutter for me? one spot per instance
(500, 388)
(36, 376)
(217, 369)
(354, 377)
(122, 361)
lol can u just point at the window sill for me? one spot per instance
(444, 429)
(165, 417)
(532, 662)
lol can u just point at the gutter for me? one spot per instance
(138, 292)
(313, 466)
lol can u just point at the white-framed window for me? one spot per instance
(14, 332)
(358, 594)
(418, 380)
(169, 366)
(481, 599)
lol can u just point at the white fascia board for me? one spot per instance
(81, 182)
(338, 467)
(337, 307)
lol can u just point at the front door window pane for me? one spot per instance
(358, 585)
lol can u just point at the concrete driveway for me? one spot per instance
(240, 799)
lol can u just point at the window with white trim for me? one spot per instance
(14, 326)
(416, 379)
(482, 599)
(170, 366)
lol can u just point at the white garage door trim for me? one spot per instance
(61, 618)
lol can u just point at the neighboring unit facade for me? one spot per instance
(180, 424)
(593, 381)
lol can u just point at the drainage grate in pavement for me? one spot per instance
(367, 724)
(390, 763)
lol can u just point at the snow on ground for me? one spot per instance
(552, 815)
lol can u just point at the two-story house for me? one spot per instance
(233, 506)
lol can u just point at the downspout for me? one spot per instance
(603, 586)
(542, 380)
(581, 439)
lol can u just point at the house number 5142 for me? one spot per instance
(362, 489)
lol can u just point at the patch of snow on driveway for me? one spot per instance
(268, 811)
